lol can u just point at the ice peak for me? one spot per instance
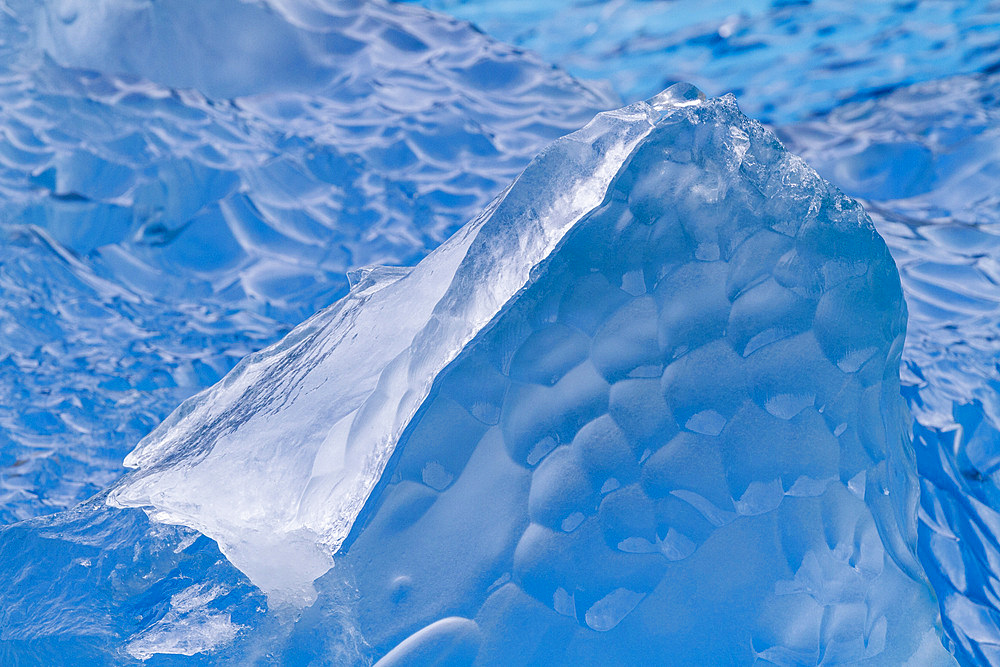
(678, 95)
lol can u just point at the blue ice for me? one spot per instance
(644, 409)
(683, 443)
(664, 426)
(896, 104)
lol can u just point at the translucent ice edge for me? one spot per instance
(153, 232)
(277, 460)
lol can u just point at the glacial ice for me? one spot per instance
(165, 211)
(646, 404)
(128, 178)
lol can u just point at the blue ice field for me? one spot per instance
(348, 332)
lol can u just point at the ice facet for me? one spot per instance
(276, 461)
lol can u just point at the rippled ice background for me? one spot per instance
(173, 198)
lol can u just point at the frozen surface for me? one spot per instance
(168, 207)
(170, 203)
(784, 59)
(665, 417)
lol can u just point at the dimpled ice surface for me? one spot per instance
(784, 59)
(683, 442)
(896, 104)
(924, 158)
(644, 408)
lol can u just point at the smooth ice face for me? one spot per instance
(646, 404)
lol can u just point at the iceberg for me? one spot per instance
(644, 407)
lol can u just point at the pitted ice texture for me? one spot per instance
(682, 444)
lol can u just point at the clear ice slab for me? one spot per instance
(644, 408)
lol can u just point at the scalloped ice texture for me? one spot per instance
(926, 160)
(151, 237)
(784, 59)
(683, 442)
(665, 406)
